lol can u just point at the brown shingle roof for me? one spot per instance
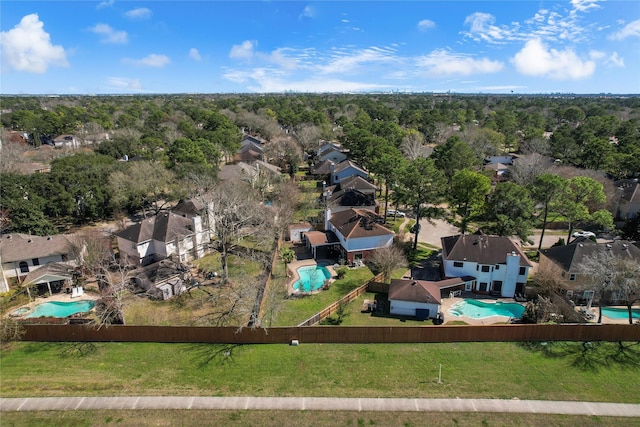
(414, 290)
(481, 249)
(18, 247)
(353, 223)
(320, 238)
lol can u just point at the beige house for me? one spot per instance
(564, 262)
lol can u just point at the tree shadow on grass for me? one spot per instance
(219, 354)
(590, 355)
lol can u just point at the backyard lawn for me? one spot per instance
(558, 371)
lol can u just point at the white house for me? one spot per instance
(359, 232)
(163, 236)
(417, 298)
(332, 152)
(22, 253)
(499, 266)
(69, 141)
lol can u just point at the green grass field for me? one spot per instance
(469, 370)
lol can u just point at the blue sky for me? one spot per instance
(112, 46)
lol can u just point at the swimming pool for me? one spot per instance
(311, 278)
(61, 309)
(620, 313)
(479, 310)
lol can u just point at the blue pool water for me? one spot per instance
(311, 278)
(61, 309)
(620, 313)
(479, 310)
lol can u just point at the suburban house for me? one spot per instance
(505, 159)
(161, 280)
(21, 254)
(163, 236)
(256, 173)
(333, 152)
(497, 265)
(68, 141)
(564, 262)
(192, 208)
(354, 182)
(342, 200)
(416, 298)
(359, 232)
(345, 169)
(249, 151)
(322, 168)
(629, 201)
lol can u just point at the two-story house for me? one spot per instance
(359, 232)
(565, 263)
(499, 266)
(163, 236)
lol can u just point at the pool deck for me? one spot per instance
(295, 265)
(60, 297)
(447, 303)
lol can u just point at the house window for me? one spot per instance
(486, 269)
(497, 285)
(497, 266)
(572, 277)
(24, 267)
(569, 294)
(523, 271)
(458, 264)
(35, 261)
(483, 286)
(65, 257)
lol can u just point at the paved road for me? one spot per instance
(320, 404)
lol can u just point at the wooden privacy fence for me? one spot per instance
(333, 308)
(332, 334)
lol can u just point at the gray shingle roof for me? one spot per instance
(164, 227)
(19, 247)
(569, 257)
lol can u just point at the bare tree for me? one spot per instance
(112, 275)
(626, 286)
(11, 155)
(239, 216)
(308, 136)
(233, 305)
(286, 196)
(612, 277)
(413, 146)
(385, 260)
(527, 168)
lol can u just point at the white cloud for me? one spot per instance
(195, 54)
(109, 35)
(596, 54)
(138, 13)
(585, 5)
(107, 3)
(632, 29)
(124, 83)
(343, 62)
(243, 51)
(536, 59)
(426, 24)
(441, 62)
(152, 60)
(615, 61)
(482, 28)
(27, 47)
(307, 12)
